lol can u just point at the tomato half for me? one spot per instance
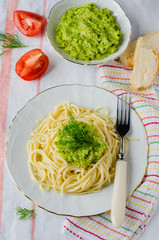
(28, 23)
(32, 65)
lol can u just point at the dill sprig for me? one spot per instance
(8, 40)
(25, 213)
(76, 135)
(79, 143)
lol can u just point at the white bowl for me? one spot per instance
(61, 7)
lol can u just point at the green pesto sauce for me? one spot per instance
(88, 33)
(79, 143)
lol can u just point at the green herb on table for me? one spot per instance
(25, 213)
(8, 41)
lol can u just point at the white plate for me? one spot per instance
(61, 7)
(38, 108)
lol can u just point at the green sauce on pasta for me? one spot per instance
(79, 143)
(88, 33)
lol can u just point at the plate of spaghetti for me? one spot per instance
(62, 149)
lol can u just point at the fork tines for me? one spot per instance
(123, 114)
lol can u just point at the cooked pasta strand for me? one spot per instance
(52, 171)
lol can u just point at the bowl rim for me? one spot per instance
(82, 62)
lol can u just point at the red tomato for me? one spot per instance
(32, 65)
(28, 23)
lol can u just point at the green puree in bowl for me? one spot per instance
(79, 143)
(88, 33)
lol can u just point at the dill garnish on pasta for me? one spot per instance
(79, 143)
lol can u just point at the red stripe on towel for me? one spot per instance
(5, 74)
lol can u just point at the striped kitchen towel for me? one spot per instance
(141, 205)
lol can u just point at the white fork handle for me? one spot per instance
(119, 194)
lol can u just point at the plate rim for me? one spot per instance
(16, 115)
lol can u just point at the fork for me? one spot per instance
(119, 191)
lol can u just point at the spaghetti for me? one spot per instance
(52, 171)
